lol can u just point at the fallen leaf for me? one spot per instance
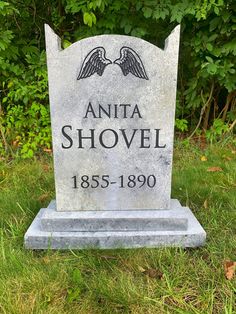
(153, 273)
(46, 260)
(205, 256)
(47, 150)
(15, 143)
(43, 197)
(229, 267)
(203, 158)
(233, 151)
(205, 204)
(189, 298)
(108, 257)
(140, 268)
(214, 169)
(45, 167)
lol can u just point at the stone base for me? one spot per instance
(114, 229)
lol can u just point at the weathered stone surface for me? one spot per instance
(139, 220)
(113, 189)
(149, 102)
(37, 238)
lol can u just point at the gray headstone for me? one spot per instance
(112, 101)
(119, 92)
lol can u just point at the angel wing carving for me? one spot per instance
(130, 62)
(95, 62)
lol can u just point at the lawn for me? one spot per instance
(167, 280)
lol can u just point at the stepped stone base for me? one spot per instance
(176, 226)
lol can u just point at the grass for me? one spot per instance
(114, 281)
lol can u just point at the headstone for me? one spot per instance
(112, 103)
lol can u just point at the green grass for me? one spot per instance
(93, 281)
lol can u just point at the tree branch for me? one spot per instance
(203, 110)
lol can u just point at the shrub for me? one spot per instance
(206, 83)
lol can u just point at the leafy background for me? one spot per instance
(206, 102)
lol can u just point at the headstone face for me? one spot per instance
(112, 102)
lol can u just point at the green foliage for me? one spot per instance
(77, 286)
(216, 130)
(27, 122)
(24, 111)
(181, 124)
(207, 57)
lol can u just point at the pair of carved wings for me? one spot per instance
(96, 61)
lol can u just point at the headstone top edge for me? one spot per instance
(53, 41)
(51, 37)
(173, 38)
